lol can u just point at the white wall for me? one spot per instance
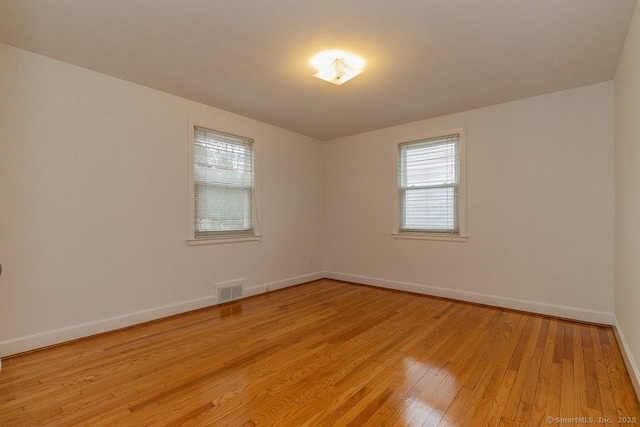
(539, 208)
(627, 198)
(94, 204)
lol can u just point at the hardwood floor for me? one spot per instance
(327, 354)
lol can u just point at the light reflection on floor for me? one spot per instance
(433, 388)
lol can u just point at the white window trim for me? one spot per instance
(461, 236)
(220, 240)
(444, 237)
(191, 239)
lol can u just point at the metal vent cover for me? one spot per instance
(229, 293)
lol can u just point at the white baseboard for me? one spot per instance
(512, 303)
(632, 367)
(57, 336)
(281, 284)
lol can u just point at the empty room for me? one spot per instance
(355, 213)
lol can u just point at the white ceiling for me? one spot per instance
(425, 58)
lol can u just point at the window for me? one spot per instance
(223, 185)
(430, 188)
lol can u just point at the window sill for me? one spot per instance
(220, 240)
(429, 236)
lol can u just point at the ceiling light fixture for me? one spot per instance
(337, 66)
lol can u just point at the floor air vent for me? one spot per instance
(228, 291)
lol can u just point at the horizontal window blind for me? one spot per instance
(428, 177)
(223, 184)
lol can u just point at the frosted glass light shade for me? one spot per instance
(337, 67)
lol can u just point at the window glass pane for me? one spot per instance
(224, 167)
(430, 209)
(222, 208)
(432, 164)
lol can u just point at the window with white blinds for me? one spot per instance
(223, 185)
(429, 185)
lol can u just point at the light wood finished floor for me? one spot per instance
(327, 354)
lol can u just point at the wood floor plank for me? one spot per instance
(521, 364)
(607, 399)
(326, 353)
(525, 407)
(567, 397)
(555, 380)
(538, 410)
(591, 377)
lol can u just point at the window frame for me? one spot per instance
(418, 234)
(214, 238)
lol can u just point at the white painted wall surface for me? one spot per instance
(539, 207)
(94, 204)
(627, 197)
